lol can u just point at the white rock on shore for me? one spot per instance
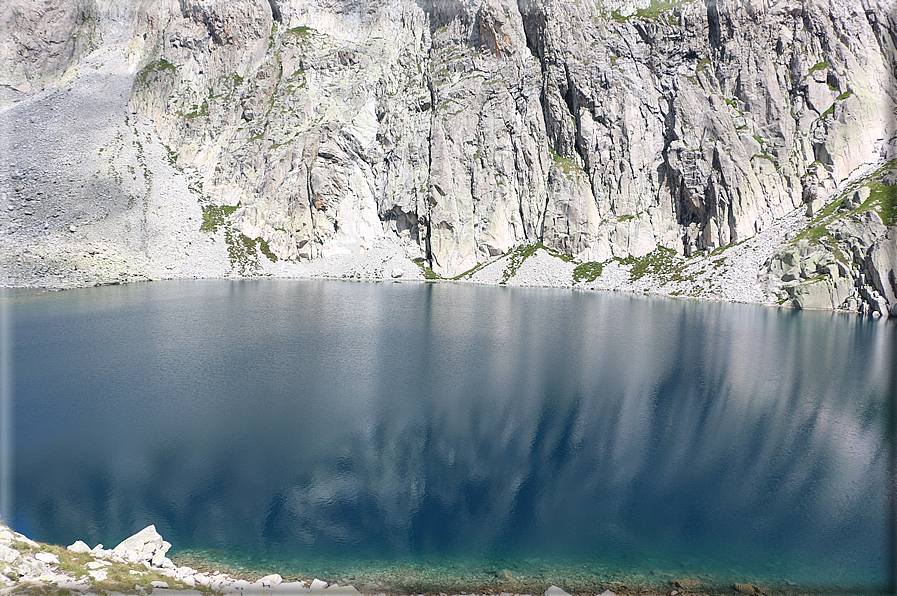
(27, 566)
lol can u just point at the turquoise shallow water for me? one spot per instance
(524, 576)
(442, 434)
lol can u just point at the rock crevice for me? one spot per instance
(460, 130)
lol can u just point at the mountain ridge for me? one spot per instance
(300, 138)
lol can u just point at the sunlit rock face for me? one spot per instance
(467, 127)
(451, 131)
(43, 39)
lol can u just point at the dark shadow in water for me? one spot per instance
(892, 392)
(403, 423)
(891, 438)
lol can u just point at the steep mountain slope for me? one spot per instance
(451, 132)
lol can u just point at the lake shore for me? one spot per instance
(138, 565)
(732, 275)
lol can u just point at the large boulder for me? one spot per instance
(79, 547)
(146, 546)
(882, 266)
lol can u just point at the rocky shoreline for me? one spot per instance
(776, 267)
(139, 565)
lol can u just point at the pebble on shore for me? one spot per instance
(138, 565)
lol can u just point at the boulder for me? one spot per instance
(270, 581)
(816, 293)
(317, 584)
(144, 546)
(48, 558)
(78, 547)
(856, 199)
(9, 555)
(556, 591)
(882, 265)
(336, 590)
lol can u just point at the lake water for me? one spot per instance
(427, 437)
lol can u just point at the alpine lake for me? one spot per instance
(422, 438)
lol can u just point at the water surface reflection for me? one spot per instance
(398, 421)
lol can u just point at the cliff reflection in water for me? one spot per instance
(404, 420)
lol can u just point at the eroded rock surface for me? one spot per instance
(455, 131)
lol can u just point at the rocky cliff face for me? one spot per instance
(43, 39)
(459, 129)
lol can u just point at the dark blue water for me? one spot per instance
(449, 431)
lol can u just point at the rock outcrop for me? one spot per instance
(42, 40)
(846, 259)
(145, 546)
(457, 130)
(136, 566)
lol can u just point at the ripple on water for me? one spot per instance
(476, 576)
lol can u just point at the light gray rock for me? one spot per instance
(202, 579)
(78, 547)
(856, 199)
(99, 574)
(290, 588)
(144, 546)
(270, 581)
(42, 41)
(181, 572)
(555, 591)
(48, 558)
(317, 584)
(882, 266)
(9, 555)
(293, 137)
(497, 123)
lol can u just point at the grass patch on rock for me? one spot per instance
(121, 578)
(886, 197)
(428, 271)
(882, 199)
(661, 263)
(301, 31)
(160, 66)
(587, 272)
(567, 165)
(518, 255)
(242, 251)
(214, 216)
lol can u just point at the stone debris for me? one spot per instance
(37, 567)
(302, 149)
(27, 566)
